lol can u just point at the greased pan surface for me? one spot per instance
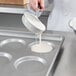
(17, 59)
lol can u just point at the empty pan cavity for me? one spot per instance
(4, 42)
(30, 64)
(5, 58)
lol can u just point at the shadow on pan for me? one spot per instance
(56, 62)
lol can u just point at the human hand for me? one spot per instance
(37, 5)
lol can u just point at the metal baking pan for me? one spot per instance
(18, 59)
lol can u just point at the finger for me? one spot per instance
(34, 4)
(42, 5)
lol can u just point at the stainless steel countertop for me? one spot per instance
(67, 63)
(15, 20)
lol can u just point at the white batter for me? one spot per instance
(42, 46)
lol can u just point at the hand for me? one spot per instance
(37, 4)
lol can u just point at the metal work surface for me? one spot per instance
(17, 59)
(67, 63)
(15, 20)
